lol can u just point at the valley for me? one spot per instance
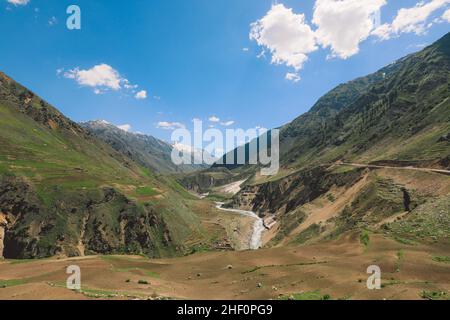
(364, 181)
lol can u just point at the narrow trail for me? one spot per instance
(372, 166)
(258, 227)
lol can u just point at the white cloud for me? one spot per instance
(101, 75)
(446, 15)
(292, 76)
(286, 35)
(343, 24)
(128, 85)
(227, 123)
(170, 125)
(124, 127)
(19, 2)
(214, 119)
(245, 49)
(411, 20)
(52, 21)
(141, 95)
(102, 78)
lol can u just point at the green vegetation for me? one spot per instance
(400, 257)
(146, 191)
(429, 221)
(152, 154)
(442, 259)
(11, 283)
(435, 295)
(72, 184)
(364, 238)
(311, 295)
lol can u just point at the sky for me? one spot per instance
(152, 66)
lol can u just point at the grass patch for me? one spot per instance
(434, 295)
(311, 295)
(400, 257)
(11, 283)
(146, 191)
(95, 293)
(364, 238)
(442, 259)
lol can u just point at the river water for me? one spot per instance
(258, 227)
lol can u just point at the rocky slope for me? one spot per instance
(396, 117)
(64, 192)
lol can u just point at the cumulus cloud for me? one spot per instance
(446, 15)
(343, 24)
(101, 78)
(141, 95)
(19, 2)
(286, 35)
(101, 75)
(124, 127)
(411, 20)
(165, 125)
(214, 119)
(292, 76)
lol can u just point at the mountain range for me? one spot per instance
(338, 161)
(145, 150)
(76, 189)
(65, 192)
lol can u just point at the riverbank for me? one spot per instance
(255, 240)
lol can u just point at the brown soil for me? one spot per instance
(336, 268)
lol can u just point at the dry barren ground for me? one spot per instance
(335, 270)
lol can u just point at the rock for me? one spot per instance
(259, 285)
(199, 274)
(229, 267)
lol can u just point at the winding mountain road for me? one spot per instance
(372, 166)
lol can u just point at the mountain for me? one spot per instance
(399, 113)
(65, 192)
(372, 155)
(145, 150)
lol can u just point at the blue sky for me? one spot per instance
(193, 58)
